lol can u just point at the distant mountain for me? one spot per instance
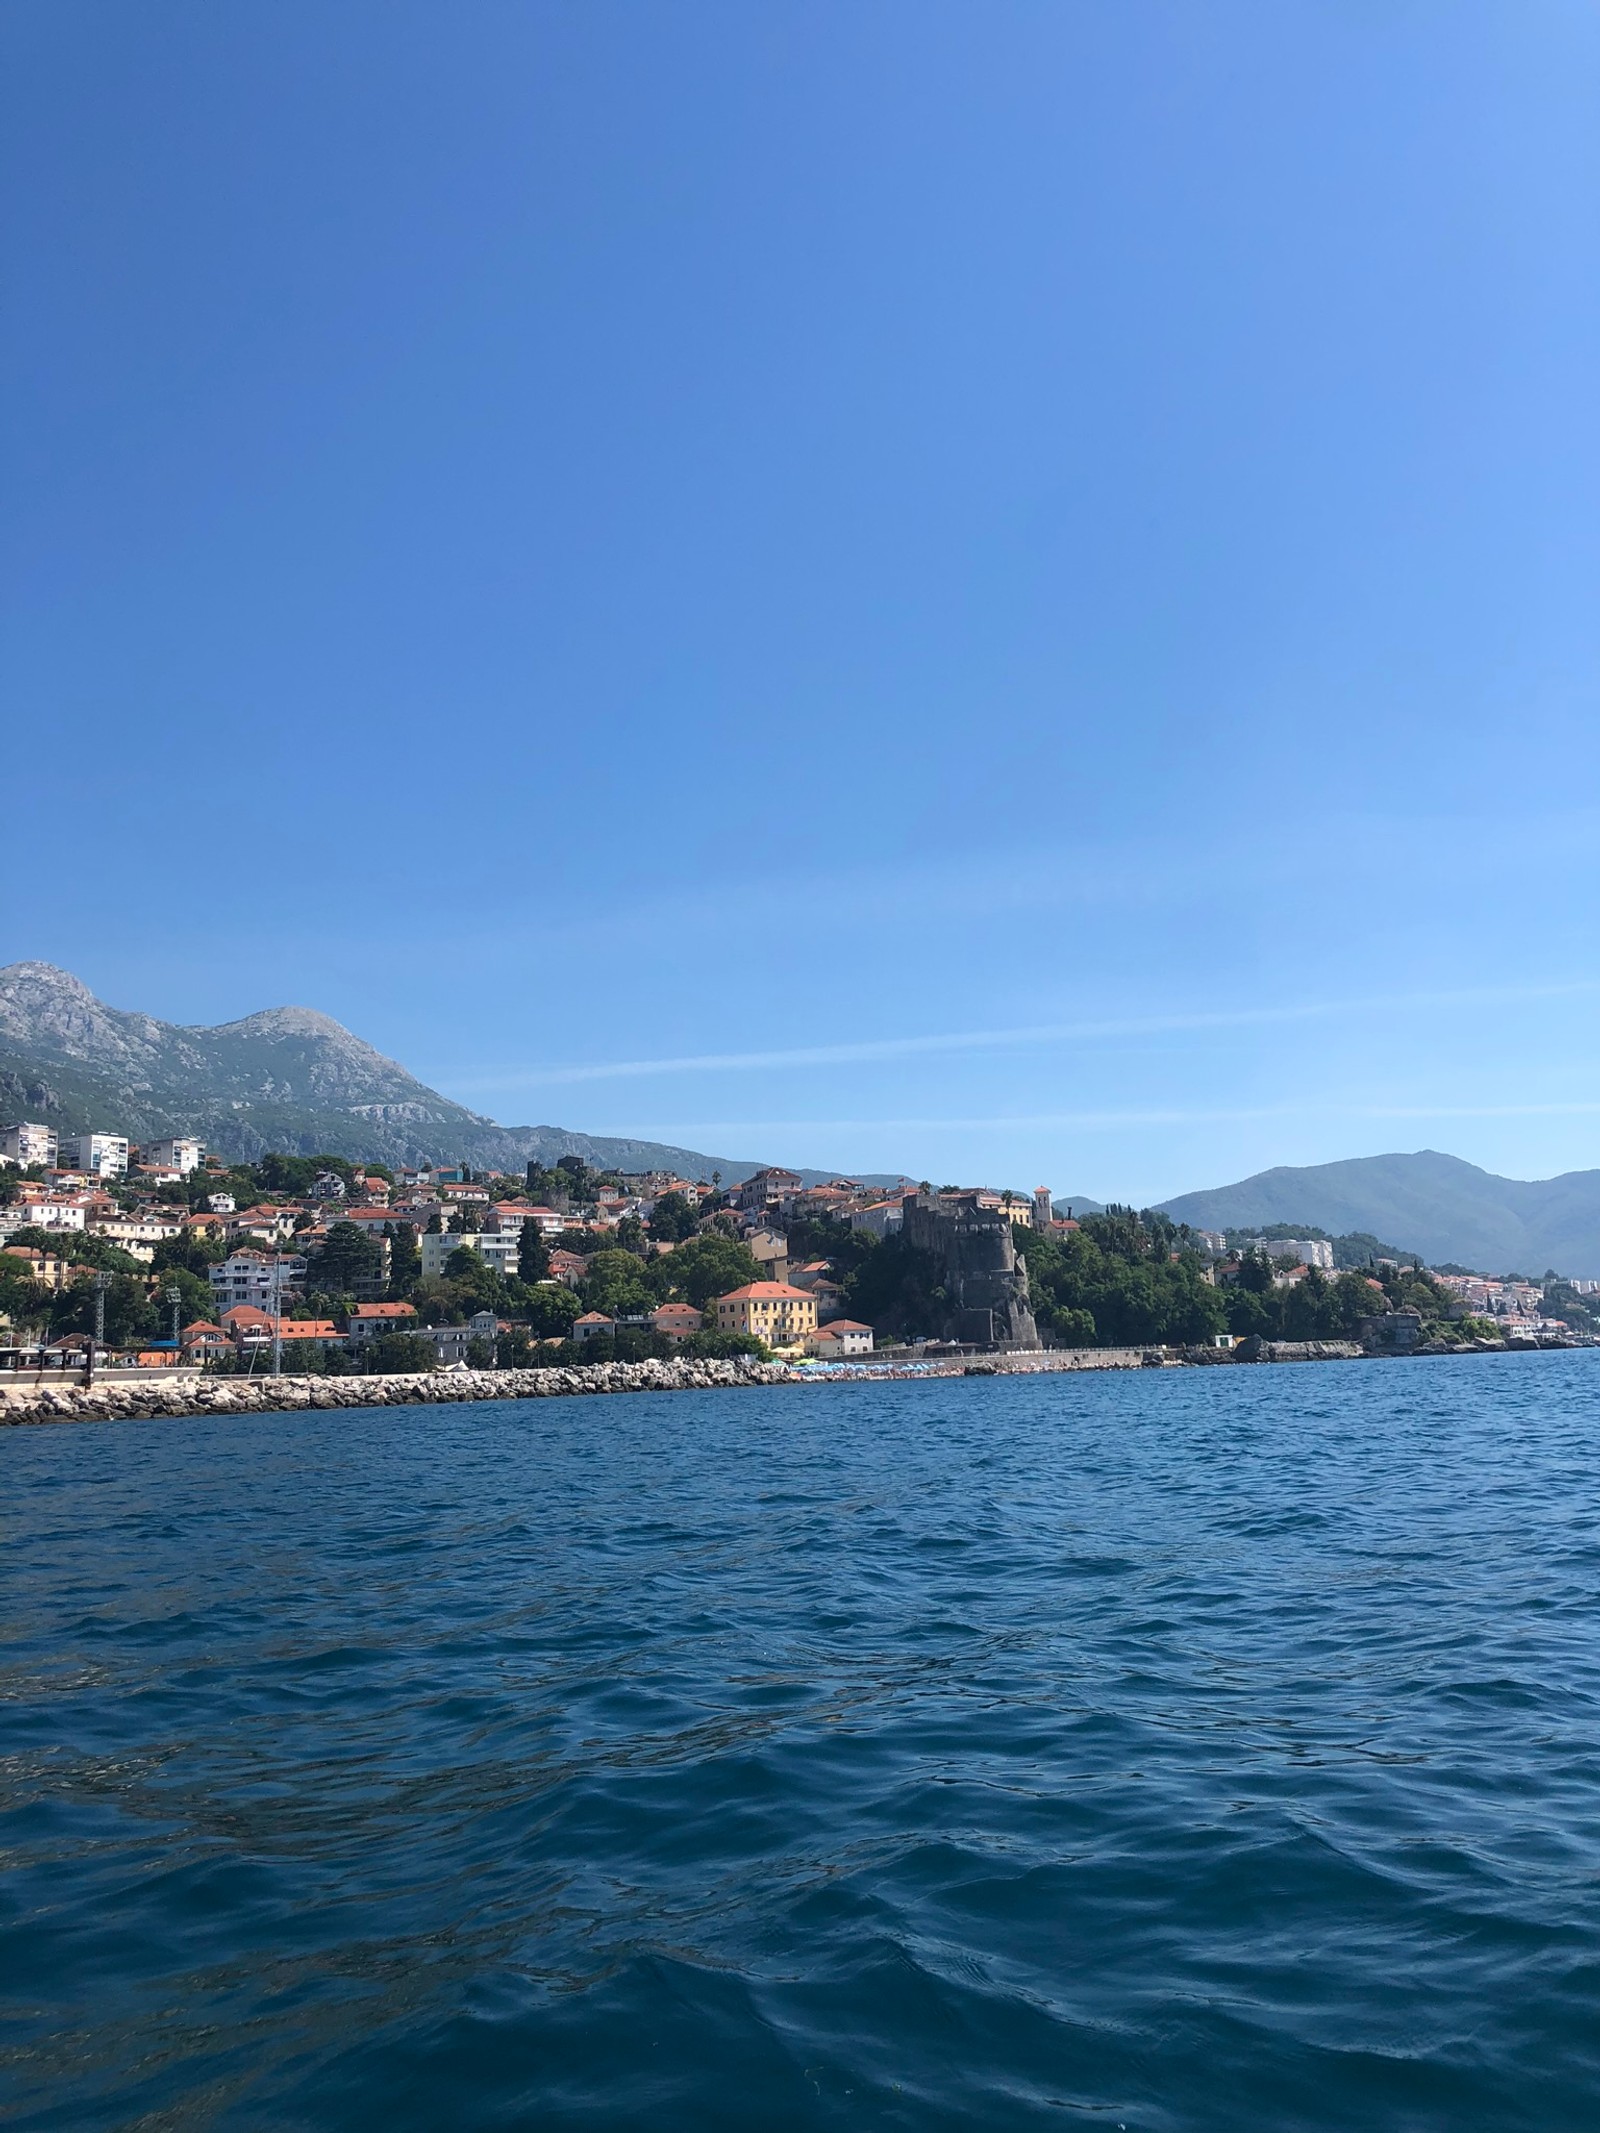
(1077, 1203)
(1448, 1210)
(288, 1079)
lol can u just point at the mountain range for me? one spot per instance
(297, 1081)
(288, 1079)
(1450, 1211)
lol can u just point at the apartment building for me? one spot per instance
(96, 1155)
(26, 1145)
(174, 1153)
(257, 1279)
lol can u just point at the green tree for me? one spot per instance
(79, 1248)
(533, 1255)
(403, 1353)
(708, 1265)
(614, 1285)
(673, 1218)
(477, 1285)
(347, 1258)
(550, 1313)
(24, 1303)
(896, 1289)
(405, 1260)
(192, 1251)
(130, 1317)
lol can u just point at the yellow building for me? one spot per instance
(771, 1310)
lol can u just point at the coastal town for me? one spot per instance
(165, 1254)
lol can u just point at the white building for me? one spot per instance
(41, 1214)
(97, 1155)
(138, 1234)
(25, 1145)
(256, 1278)
(174, 1154)
(497, 1248)
(846, 1336)
(1299, 1251)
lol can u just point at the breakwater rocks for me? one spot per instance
(151, 1398)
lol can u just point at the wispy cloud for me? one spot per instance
(864, 1050)
(1085, 1121)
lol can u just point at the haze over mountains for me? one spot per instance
(296, 1080)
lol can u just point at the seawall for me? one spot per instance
(192, 1394)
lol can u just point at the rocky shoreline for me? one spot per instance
(151, 1398)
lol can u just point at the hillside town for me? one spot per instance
(163, 1254)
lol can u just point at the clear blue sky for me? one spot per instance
(1001, 590)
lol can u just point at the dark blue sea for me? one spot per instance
(1184, 1752)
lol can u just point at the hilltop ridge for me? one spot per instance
(1447, 1209)
(287, 1078)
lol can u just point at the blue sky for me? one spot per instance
(999, 590)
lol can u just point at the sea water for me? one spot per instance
(1195, 1750)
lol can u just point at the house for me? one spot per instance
(768, 1188)
(269, 1223)
(845, 1336)
(567, 1267)
(771, 1310)
(511, 1214)
(373, 1221)
(327, 1185)
(463, 1195)
(137, 1233)
(41, 1214)
(43, 1267)
(367, 1321)
(248, 1326)
(256, 1278)
(678, 1321)
(451, 1342)
(28, 1146)
(770, 1250)
(174, 1154)
(591, 1323)
(202, 1341)
(98, 1155)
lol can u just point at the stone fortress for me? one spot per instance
(979, 1270)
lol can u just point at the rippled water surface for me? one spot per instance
(1197, 1750)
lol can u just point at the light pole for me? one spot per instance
(277, 1313)
(97, 1339)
